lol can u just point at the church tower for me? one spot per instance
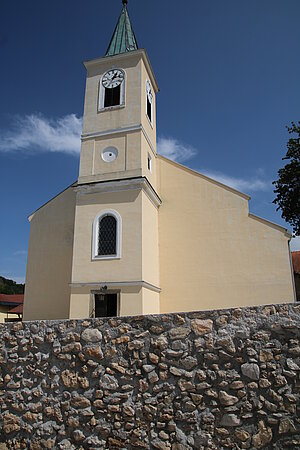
(115, 268)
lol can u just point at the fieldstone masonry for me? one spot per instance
(201, 380)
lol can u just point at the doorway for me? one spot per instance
(106, 305)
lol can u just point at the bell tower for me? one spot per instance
(119, 123)
(115, 250)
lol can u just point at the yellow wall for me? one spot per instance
(128, 164)
(98, 121)
(81, 303)
(133, 300)
(128, 267)
(139, 252)
(150, 249)
(139, 261)
(47, 291)
(151, 302)
(150, 130)
(4, 315)
(202, 248)
(145, 150)
(212, 253)
(134, 65)
(133, 146)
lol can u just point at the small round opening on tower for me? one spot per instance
(109, 154)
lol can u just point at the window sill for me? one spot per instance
(105, 258)
(151, 124)
(110, 108)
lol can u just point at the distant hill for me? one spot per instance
(10, 287)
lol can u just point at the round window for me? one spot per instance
(109, 154)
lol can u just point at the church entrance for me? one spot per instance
(106, 305)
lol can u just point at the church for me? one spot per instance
(138, 233)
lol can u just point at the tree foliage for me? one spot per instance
(287, 187)
(10, 287)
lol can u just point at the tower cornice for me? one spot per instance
(127, 184)
(118, 131)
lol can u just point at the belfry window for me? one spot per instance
(112, 89)
(149, 102)
(112, 97)
(107, 235)
(149, 109)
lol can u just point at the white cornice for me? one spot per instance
(116, 284)
(87, 136)
(140, 183)
(116, 131)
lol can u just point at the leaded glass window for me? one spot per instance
(107, 236)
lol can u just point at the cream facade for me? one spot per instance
(138, 233)
(49, 265)
(5, 316)
(224, 256)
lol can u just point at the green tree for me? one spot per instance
(10, 287)
(287, 187)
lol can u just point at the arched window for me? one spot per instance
(107, 235)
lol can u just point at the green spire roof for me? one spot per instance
(123, 39)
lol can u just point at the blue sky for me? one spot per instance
(228, 73)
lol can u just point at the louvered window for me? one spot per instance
(107, 237)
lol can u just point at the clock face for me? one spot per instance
(113, 78)
(149, 92)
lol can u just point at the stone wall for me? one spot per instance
(201, 380)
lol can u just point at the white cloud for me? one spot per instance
(179, 151)
(256, 183)
(15, 278)
(37, 133)
(18, 280)
(173, 149)
(20, 253)
(295, 244)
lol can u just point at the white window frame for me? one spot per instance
(102, 93)
(152, 104)
(116, 215)
(149, 163)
